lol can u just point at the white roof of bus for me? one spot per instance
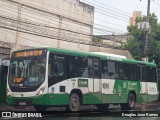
(108, 54)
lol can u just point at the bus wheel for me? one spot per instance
(103, 107)
(40, 108)
(130, 102)
(74, 102)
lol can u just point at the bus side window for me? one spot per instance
(81, 67)
(104, 69)
(144, 73)
(56, 68)
(111, 70)
(151, 74)
(139, 73)
(96, 67)
(13, 69)
(71, 70)
(133, 72)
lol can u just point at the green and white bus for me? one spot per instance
(45, 77)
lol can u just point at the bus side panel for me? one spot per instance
(152, 91)
(107, 90)
(114, 91)
(143, 97)
(119, 92)
(52, 99)
(148, 92)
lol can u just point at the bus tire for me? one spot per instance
(74, 103)
(131, 101)
(102, 107)
(40, 108)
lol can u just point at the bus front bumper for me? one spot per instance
(47, 99)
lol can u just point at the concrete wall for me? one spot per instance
(57, 21)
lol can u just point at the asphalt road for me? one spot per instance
(152, 106)
(92, 113)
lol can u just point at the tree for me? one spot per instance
(136, 43)
(97, 39)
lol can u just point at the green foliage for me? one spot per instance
(97, 39)
(136, 43)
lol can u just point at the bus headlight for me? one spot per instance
(8, 93)
(40, 92)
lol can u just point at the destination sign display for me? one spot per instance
(29, 53)
(18, 80)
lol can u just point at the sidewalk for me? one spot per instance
(4, 107)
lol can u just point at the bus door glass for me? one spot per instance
(142, 77)
(94, 73)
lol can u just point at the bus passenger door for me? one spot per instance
(94, 75)
(142, 73)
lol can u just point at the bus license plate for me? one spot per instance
(22, 103)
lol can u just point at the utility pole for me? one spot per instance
(147, 33)
(145, 26)
(18, 24)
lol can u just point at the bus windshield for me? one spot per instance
(26, 72)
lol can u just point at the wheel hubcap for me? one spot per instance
(74, 102)
(131, 101)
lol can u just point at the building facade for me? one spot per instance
(54, 23)
(132, 20)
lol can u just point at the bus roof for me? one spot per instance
(108, 54)
(102, 55)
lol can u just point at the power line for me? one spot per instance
(117, 13)
(111, 7)
(63, 9)
(76, 13)
(34, 17)
(109, 23)
(39, 19)
(86, 2)
(89, 43)
(24, 37)
(104, 27)
(39, 24)
(97, 11)
(50, 12)
(112, 16)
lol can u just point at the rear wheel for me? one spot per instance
(130, 102)
(40, 108)
(74, 102)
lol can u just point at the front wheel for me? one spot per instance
(130, 102)
(74, 103)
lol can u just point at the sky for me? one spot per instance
(114, 14)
